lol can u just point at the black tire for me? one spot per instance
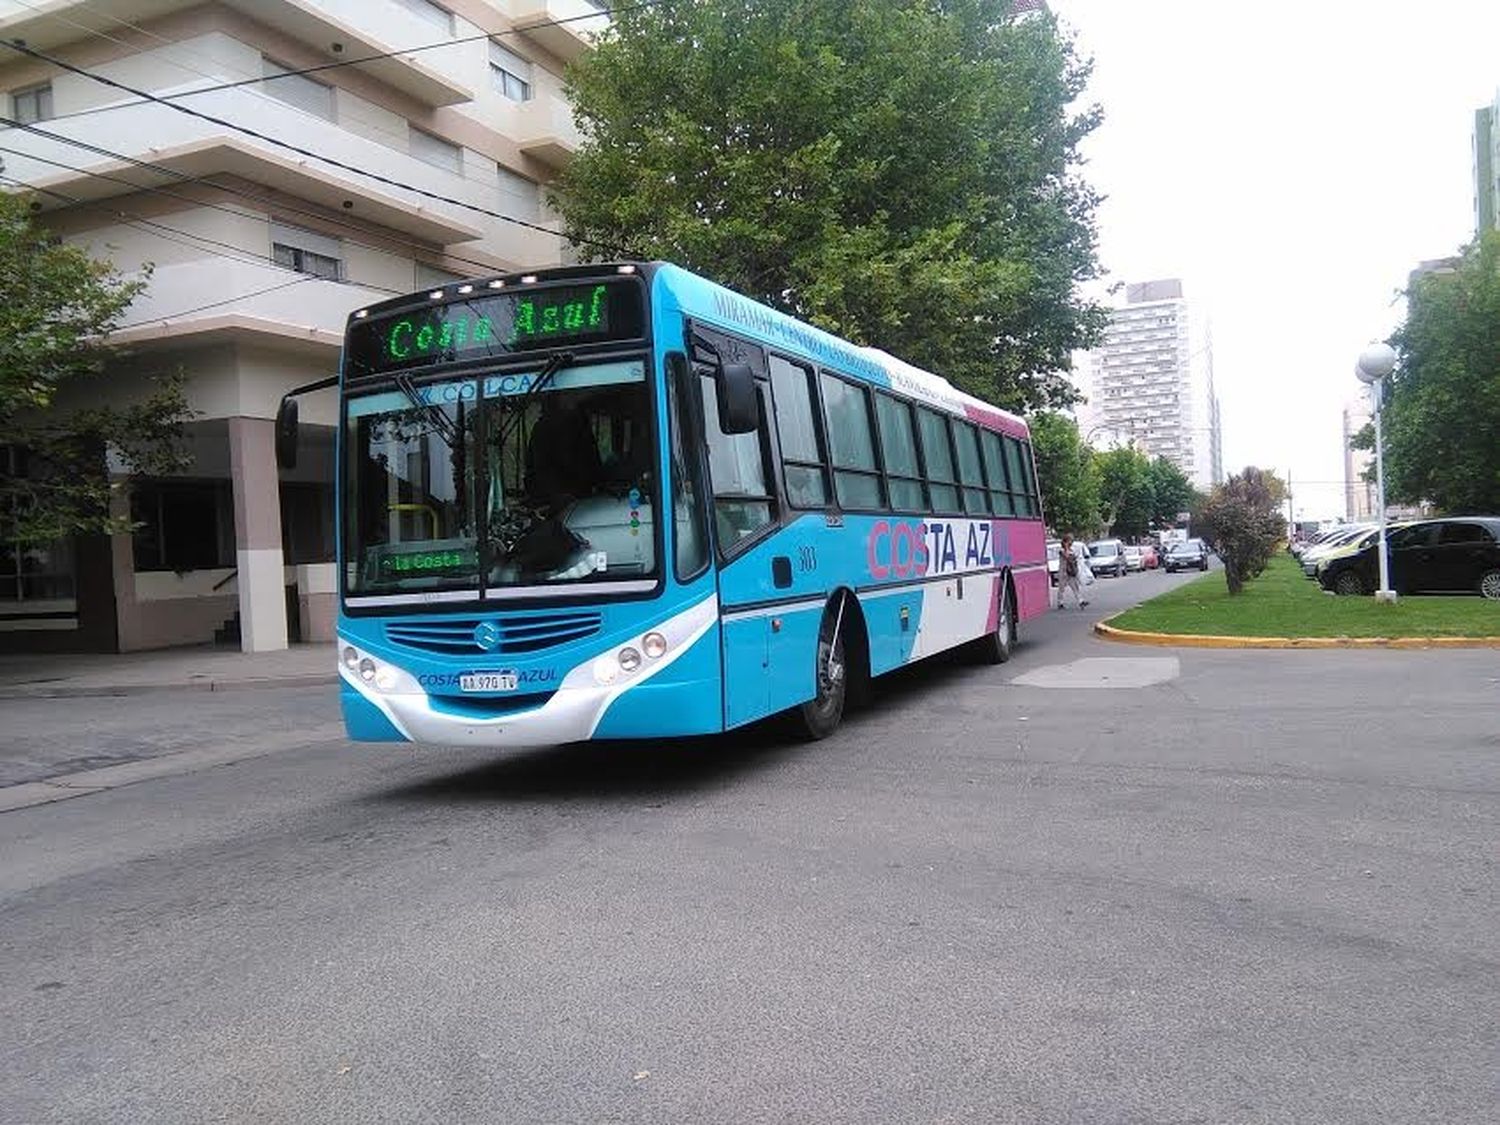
(996, 647)
(1489, 585)
(820, 716)
(1349, 584)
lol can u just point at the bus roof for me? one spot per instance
(712, 303)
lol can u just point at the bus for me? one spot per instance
(620, 501)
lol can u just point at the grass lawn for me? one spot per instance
(1282, 603)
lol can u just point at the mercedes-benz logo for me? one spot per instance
(487, 635)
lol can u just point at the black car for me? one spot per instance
(1190, 554)
(1460, 555)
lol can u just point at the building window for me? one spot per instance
(307, 251)
(520, 198)
(802, 459)
(434, 150)
(31, 572)
(851, 444)
(306, 523)
(440, 18)
(937, 455)
(182, 525)
(297, 89)
(510, 74)
(898, 442)
(32, 104)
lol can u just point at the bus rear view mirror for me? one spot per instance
(286, 433)
(739, 412)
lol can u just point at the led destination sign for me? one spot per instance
(496, 324)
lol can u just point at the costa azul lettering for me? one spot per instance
(495, 386)
(525, 676)
(901, 549)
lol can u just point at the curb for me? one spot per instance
(1201, 640)
(75, 691)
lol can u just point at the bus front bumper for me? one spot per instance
(392, 707)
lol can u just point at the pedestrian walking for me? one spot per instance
(1073, 572)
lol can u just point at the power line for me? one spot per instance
(182, 177)
(213, 304)
(609, 13)
(307, 152)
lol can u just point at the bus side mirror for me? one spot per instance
(739, 409)
(286, 433)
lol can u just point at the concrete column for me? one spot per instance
(257, 534)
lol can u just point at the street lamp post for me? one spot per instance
(1375, 364)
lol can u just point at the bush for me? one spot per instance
(1242, 520)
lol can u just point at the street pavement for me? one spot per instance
(1098, 883)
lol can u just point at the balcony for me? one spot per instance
(198, 148)
(49, 24)
(545, 130)
(564, 27)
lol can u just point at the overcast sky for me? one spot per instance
(1291, 163)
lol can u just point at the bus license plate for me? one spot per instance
(487, 681)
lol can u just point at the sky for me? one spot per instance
(1291, 163)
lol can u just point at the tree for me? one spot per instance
(1126, 499)
(1068, 476)
(900, 173)
(1442, 418)
(1171, 492)
(1242, 520)
(56, 306)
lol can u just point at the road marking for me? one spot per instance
(103, 778)
(1111, 672)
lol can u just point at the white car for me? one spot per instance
(1135, 558)
(1107, 557)
(1054, 559)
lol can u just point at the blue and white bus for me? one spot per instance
(620, 501)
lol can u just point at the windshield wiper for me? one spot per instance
(555, 364)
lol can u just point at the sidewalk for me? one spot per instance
(207, 668)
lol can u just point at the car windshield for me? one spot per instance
(1104, 548)
(497, 480)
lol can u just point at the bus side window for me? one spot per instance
(802, 459)
(737, 464)
(994, 469)
(1019, 496)
(898, 441)
(937, 455)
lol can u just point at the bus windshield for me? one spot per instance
(498, 481)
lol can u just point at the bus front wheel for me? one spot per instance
(820, 716)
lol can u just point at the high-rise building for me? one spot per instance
(347, 152)
(1359, 493)
(1151, 382)
(1487, 166)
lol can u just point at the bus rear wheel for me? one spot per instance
(820, 716)
(996, 647)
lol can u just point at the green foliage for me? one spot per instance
(1171, 492)
(1126, 499)
(1242, 520)
(899, 173)
(1442, 419)
(56, 304)
(1067, 473)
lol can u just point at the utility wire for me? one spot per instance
(212, 304)
(307, 152)
(269, 201)
(609, 13)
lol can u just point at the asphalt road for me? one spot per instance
(1138, 886)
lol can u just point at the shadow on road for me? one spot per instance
(669, 767)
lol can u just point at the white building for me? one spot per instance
(1359, 493)
(1151, 382)
(260, 253)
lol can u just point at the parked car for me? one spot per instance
(1190, 554)
(1135, 558)
(1149, 557)
(1459, 555)
(1331, 545)
(1054, 559)
(1107, 556)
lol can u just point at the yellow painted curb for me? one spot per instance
(1200, 640)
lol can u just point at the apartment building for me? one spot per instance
(422, 124)
(1150, 383)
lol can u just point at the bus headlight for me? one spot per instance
(367, 669)
(351, 658)
(606, 670)
(629, 659)
(655, 644)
